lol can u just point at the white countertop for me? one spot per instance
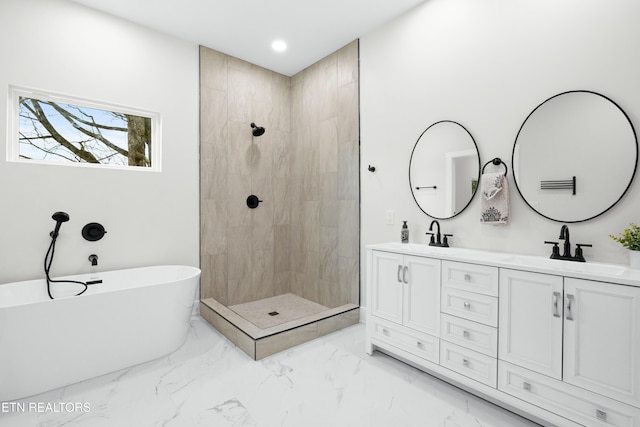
(615, 273)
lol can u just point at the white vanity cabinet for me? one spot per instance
(469, 318)
(405, 297)
(586, 333)
(531, 313)
(556, 342)
(602, 338)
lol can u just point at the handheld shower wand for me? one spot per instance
(59, 218)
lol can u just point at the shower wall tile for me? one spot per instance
(311, 270)
(213, 117)
(349, 279)
(329, 254)
(296, 115)
(348, 113)
(329, 200)
(214, 233)
(281, 102)
(282, 282)
(282, 248)
(239, 250)
(281, 200)
(327, 142)
(326, 87)
(239, 188)
(310, 225)
(213, 69)
(239, 95)
(240, 148)
(348, 220)
(280, 142)
(262, 285)
(348, 64)
(348, 171)
(214, 277)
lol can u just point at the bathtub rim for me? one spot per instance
(36, 296)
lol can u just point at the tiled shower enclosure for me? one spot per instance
(299, 249)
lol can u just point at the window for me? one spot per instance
(59, 129)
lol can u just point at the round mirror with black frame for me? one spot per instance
(444, 169)
(574, 156)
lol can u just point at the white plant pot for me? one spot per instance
(634, 259)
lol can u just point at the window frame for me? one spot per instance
(13, 128)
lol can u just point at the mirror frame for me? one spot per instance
(635, 167)
(411, 160)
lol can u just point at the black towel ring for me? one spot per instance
(497, 161)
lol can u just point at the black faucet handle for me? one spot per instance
(579, 256)
(555, 251)
(431, 239)
(445, 240)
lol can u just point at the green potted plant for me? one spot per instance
(630, 239)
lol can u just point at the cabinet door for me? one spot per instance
(387, 286)
(602, 338)
(422, 294)
(530, 319)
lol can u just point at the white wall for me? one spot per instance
(486, 65)
(150, 218)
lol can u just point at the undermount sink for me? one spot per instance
(584, 267)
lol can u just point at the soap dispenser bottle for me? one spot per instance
(404, 233)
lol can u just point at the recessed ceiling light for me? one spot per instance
(279, 46)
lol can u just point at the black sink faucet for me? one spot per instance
(566, 255)
(438, 240)
(438, 237)
(564, 235)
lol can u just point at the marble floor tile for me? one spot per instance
(327, 382)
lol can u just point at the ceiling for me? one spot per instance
(246, 28)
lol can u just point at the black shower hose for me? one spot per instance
(48, 259)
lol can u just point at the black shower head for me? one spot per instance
(257, 130)
(59, 218)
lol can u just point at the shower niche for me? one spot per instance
(282, 269)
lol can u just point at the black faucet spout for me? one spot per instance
(564, 235)
(93, 258)
(438, 236)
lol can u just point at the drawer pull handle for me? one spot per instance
(526, 386)
(385, 332)
(404, 274)
(601, 415)
(467, 277)
(419, 344)
(399, 270)
(467, 305)
(569, 314)
(465, 362)
(466, 334)
(556, 302)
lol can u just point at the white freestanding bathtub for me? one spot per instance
(133, 316)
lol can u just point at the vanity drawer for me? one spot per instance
(414, 342)
(470, 277)
(471, 306)
(469, 363)
(473, 335)
(564, 399)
